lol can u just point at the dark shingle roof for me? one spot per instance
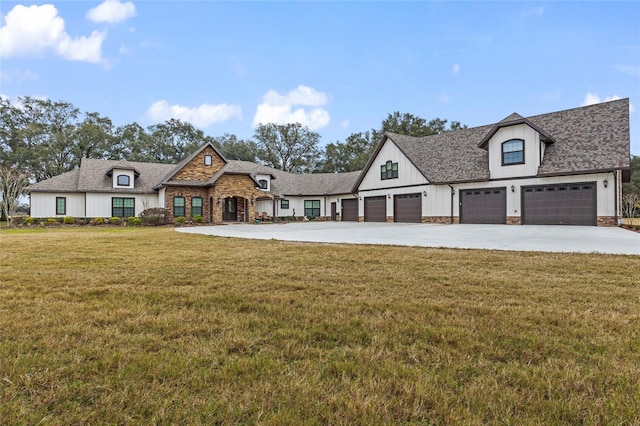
(66, 182)
(92, 177)
(590, 138)
(286, 183)
(584, 139)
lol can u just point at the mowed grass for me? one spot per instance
(151, 326)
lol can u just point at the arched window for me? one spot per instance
(263, 183)
(513, 152)
(124, 180)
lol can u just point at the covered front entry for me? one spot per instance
(407, 208)
(233, 209)
(350, 210)
(560, 204)
(483, 205)
(375, 209)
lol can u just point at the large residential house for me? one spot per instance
(564, 167)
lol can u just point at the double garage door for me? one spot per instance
(558, 204)
(406, 207)
(565, 204)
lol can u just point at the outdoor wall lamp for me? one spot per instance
(605, 183)
(389, 196)
(424, 193)
(513, 188)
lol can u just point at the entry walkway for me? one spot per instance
(548, 238)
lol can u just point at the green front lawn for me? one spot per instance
(147, 325)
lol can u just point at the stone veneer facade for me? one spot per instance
(239, 186)
(514, 220)
(607, 221)
(444, 220)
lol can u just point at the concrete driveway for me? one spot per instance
(577, 239)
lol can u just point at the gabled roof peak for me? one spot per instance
(513, 120)
(513, 117)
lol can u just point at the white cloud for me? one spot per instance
(593, 98)
(456, 69)
(112, 11)
(279, 109)
(34, 30)
(202, 116)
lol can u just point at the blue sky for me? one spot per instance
(337, 67)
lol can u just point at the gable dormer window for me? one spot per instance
(124, 180)
(208, 160)
(513, 152)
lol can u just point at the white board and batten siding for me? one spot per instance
(296, 203)
(43, 204)
(532, 152)
(100, 204)
(407, 172)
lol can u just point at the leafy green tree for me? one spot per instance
(349, 156)
(12, 147)
(412, 125)
(131, 142)
(289, 147)
(94, 137)
(46, 137)
(236, 149)
(173, 140)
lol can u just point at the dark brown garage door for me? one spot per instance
(486, 205)
(566, 204)
(350, 210)
(375, 209)
(407, 208)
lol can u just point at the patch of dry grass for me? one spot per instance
(153, 326)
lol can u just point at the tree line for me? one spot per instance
(43, 138)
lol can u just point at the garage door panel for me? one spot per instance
(350, 210)
(485, 205)
(375, 209)
(560, 204)
(407, 208)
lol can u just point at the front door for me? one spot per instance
(229, 209)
